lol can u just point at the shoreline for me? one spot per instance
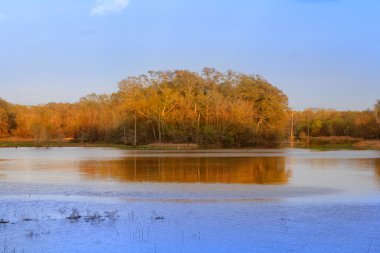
(362, 145)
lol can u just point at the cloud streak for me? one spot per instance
(107, 7)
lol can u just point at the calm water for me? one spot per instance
(269, 200)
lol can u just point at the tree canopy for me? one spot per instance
(211, 108)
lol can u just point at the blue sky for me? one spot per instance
(321, 53)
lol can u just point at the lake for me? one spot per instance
(246, 200)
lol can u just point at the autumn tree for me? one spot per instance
(211, 108)
(376, 110)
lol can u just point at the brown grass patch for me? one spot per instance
(368, 144)
(173, 145)
(334, 140)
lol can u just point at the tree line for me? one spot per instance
(322, 122)
(211, 108)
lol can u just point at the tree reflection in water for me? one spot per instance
(377, 168)
(233, 170)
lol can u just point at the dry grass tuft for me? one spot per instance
(368, 144)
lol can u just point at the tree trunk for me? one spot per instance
(159, 131)
(308, 130)
(199, 118)
(154, 133)
(125, 135)
(377, 125)
(291, 131)
(135, 139)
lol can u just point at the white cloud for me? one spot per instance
(106, 7)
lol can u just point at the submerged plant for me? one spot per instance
(93, 216)
(2, 221)
(111, 215)
(156, 216)
(75, 215)
(32, 234)
(62, 211)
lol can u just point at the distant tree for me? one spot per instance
(3, 123)
(133, 102)
(376, 110)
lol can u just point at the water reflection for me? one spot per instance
(377, 168)
(241, 170)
